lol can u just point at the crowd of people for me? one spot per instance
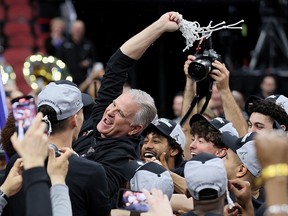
(225, 159)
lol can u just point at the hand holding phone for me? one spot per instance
(55, 148)
(24, 111)
(159, 203)
(132, 201)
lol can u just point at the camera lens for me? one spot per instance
(199, 69)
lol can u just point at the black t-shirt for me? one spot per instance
(88, 189)
(261, 210)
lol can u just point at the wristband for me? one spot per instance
(2, 194)
(271, 171)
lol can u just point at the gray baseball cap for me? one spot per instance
(65, 98)
(205, 171)
(168, 128)
(244, 147)
(151, 175)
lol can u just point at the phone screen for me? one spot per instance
(24, 111)
(132, 201)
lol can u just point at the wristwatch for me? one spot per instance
(2, 194)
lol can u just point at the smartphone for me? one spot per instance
(132, 200)
(24, 111)
(55, 148)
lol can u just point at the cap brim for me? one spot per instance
(203, 157)
(152, 175)
(87, 99)
(130, 168)
(231, 141)
(197, 117)
(152, 127)
(250, 101)
(152, 167)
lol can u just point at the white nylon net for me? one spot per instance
(192, 31)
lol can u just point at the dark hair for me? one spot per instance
(203, 129)
(171, 143)
(271, 109)
(208, 194)
(174, 145)
(57, 125)
(6, 134)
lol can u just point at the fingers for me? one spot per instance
(220, 66)
(15, 142)
(36, 124)
(162, 157)
(175, 16)
(186, 66)
(191, 57)
(163, 160)
(51, 154)
(147, 194)
(18, 163)
(147, 160)
(220, 74)
(230, 212)
(157, 161)
(238, 184)
(67, 152)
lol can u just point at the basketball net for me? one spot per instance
(192, 31)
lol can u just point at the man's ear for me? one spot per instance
(173, 152)
(221, 152)
(135, 130)
(241, 171)
(74, 120)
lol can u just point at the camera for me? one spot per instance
(200, 68)
(202, 65)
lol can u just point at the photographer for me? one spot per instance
(220, 75)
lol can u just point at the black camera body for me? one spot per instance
(202, 65)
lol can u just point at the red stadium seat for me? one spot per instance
(12, 28)
(16, 58)
(22, 40)
(16, 2)
(21, 12)
(2, 13)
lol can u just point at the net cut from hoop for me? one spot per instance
(192, 31)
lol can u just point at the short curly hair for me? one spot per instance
(203, 129)
(271, 109)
